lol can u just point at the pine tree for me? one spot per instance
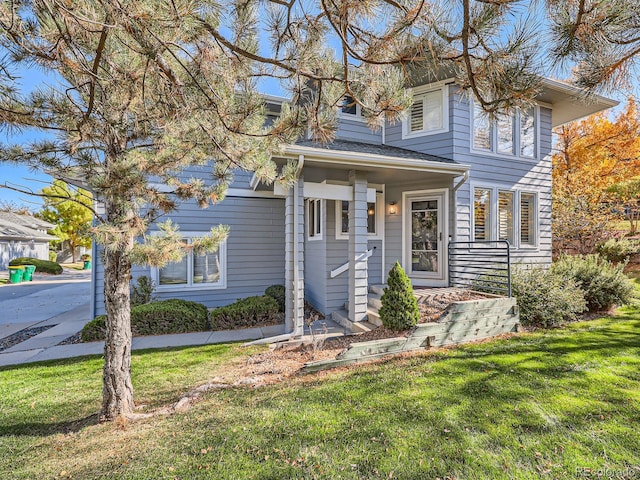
(399, 309)
(144, 91)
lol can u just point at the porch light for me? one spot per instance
(393, 208)
(371, 211)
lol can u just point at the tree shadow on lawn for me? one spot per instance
(44, 428)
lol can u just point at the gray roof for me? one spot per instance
(24, 227)
(386, 150)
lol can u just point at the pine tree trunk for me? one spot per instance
(117, 390)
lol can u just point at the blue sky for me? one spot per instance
(22, 177)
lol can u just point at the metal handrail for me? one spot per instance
(482, 265)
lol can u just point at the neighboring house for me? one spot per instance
(369, 199)
(23, 236)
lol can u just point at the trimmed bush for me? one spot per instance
(156, 318)
(603, 283)
(618, 250)
(246, 312)
(399, 309)
(277, 292)
(42, 266)
(546, 299)
(53, 256)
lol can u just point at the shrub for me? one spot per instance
(603, 283)
(142, 291)
(157, 318)
(53, 256)
(399, 309)
(618, 250)
(42, 266)
(546, 299)
(246, 312)
(277, 292)
(85, 257)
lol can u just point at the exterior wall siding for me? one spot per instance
(255, 249)
(357, 131)
(15, 249)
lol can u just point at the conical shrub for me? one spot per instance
(399, 309)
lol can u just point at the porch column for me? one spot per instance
(358, 277)
(294, 258)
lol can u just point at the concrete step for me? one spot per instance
(377, 289)
(373, 317)
(341, 317)
(373, 300)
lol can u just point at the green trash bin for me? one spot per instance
(87, 265)
(15, 274)
(28, 273)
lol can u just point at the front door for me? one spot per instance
(425, 234)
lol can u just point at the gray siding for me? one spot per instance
(357, 131)
(15, 249)
(315, 265)
(440, 144)
(255, 249)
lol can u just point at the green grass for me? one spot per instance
(73, 266)
(3, 281)
(541, 405)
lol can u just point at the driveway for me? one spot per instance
(58, 300)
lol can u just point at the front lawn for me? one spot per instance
(558, 404)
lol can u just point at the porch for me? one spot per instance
(350, 215)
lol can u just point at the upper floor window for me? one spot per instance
(506, 135)
(428, 113)
(349, 108)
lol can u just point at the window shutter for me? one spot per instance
(527, 218)
(505, 216)
(417, 116)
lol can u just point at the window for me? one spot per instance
(506, 135)
(427, 114)
(314, 219)
(527, 219)
(194, 271)
(349, 106)
(505, 215)
(481, 129)
(375, 217)
(481, 211)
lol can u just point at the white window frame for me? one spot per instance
(536, 209)
(318, 231)
(379, 221)
(219, 285)
(516, 128)
(351, 116)
(493, 213)
(419, 92)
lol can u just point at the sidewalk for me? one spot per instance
(21, 356)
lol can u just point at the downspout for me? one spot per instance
(298, 327)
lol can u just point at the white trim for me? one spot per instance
(319, 207)
(442, 195)
(444, 110)
(495, 188)
(190, 286)
(374, 160)
(380, 214)
(493, 151)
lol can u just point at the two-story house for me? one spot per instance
(445, 173)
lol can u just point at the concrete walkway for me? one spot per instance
(62, 301)
(139, 343)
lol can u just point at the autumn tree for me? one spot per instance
(70, 211)
(592, 155)
(149, 89)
